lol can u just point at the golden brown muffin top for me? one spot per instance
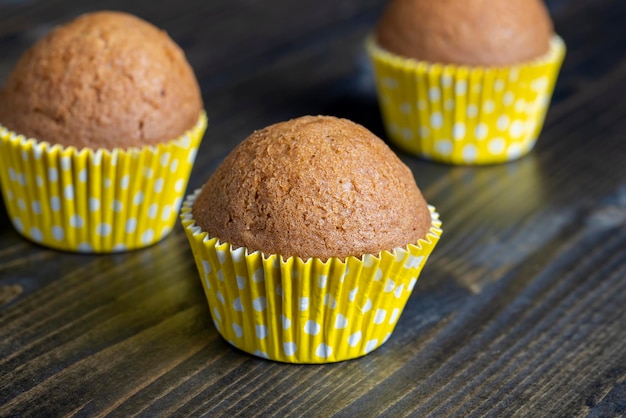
(315, 186)
(103, 80)
(466, 32)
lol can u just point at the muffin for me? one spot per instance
(465, 84)
(99, 125)
(309, 238)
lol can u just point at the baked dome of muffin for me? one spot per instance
(103, 80)
(472, 32)
(313, 187)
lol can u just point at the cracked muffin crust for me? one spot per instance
(313, 187)
(103, 80)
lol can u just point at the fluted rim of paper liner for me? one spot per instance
(182, 141)
(464, 115)
(95, 201)
(305, 311)
(555, 52)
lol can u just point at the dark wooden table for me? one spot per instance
(521, 310)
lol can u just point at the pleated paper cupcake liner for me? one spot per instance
(305, 311)
(95, 201)
(464, 115)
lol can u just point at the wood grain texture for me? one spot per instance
(521, 310)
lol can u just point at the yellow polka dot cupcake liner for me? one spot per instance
(464, 115)
(305, 311)
(95, 201)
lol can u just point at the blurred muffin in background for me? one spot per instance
(465, 82)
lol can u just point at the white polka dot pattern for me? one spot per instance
(452, 113)
(94, 201)
(305, 311)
